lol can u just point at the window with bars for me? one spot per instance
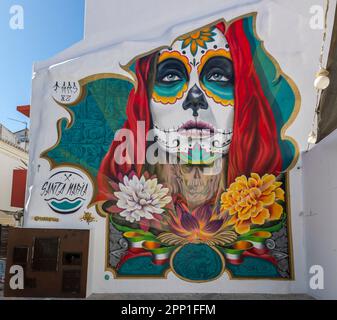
(46, 254)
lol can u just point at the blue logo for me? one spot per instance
(65, 192)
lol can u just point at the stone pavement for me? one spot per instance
(187, 296)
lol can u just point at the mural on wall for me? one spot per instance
(189, 160)
(65, 191)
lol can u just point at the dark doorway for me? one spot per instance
(54, 262)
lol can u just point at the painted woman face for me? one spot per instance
(192, 104)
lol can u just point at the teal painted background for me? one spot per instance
(96, 119)
(254, 268)
(197, 262)
(142, 266)
(251, 267)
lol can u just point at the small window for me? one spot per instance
(20, 255)
(71, 282)
(72, 258)
(46, 251)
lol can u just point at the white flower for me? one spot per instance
(141, 198)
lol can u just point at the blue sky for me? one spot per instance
(50, 26)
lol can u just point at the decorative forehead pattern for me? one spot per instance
(194, 50)
(197, 45)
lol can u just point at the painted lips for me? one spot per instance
(196, 128)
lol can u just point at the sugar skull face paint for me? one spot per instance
(192, 103)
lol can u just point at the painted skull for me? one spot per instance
(192, 103)
(196, 186)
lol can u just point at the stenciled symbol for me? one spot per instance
(65, 91)
(66, 191)
(88, 218)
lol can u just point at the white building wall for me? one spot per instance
(320, 213)
(7, 135)
(10, 159)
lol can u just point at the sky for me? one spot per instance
(49, 27)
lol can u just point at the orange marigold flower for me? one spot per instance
(198, 39)
(252, 200)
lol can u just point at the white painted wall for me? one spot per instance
(10, 159)
(284, 25)
(116, 31)
(320, 212)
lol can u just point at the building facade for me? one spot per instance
(148, 231)
(14, 158)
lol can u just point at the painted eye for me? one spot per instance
(218, 77)
(171, 78)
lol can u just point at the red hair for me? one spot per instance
(254, 146)
(137, 109)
